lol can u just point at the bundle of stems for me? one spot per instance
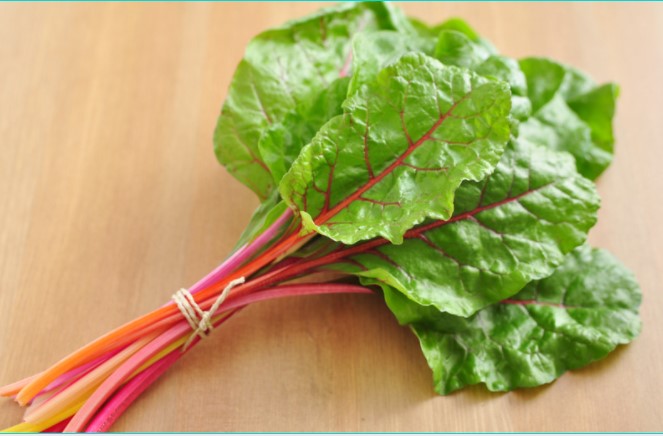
(89, 389)
(403, 157)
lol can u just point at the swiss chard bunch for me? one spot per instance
(408, 161)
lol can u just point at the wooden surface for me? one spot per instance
(111, 199)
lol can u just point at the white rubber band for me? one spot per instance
(200, 320)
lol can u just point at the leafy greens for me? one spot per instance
(579, 314)
(402, 159)
(284, 74)
(400, 150)
(512, 227)
(451, 177)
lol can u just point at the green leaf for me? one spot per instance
(566, 321)
(544, 80)
(459, 45)
(455, 24)
(455, 48)
(571, 113)
(556, 126)
(508, 70)
(422, 29)
(373, 51)
(459, 25)
(513, 227)
(547, 78)
(397, 155)
(505, 69)
(396, 18)
(283, 71)
(281, 142)
(597, 109)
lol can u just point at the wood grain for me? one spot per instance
(111, 198)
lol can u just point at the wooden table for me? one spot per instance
(111, 199)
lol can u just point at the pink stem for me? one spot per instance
(128, 393)
(295, 290)
(122, 373)
(59, 427)
(243, 254)
(78, 371)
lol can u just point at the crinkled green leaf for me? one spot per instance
(373, 51)
(556, 126)
(571, 113)
(508, 70)
(566, 321)
(281, 142)
(404, 144)
(459, 45)
(451, 46)
(513, 227)
(283, 71)
(455, 24)
(455, 48)
(459, 25)
(568, 111)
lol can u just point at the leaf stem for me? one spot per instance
(129, 392)
(243, 254)
(207, 287)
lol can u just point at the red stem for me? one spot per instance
(128, 393)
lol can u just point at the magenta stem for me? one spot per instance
(293, 291)
(77, 372)
(243, 254)
(127, 394)
(122, 373)
(114, 408)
